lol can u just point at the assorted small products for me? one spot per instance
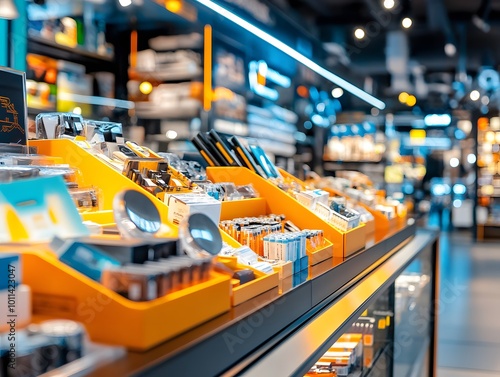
(341, 358)
(344, 218)
(228, 191)
(286, 246)
(219, 151)
(155, 279)
(156, 176)
(251, 231)
(190, 169)
(262, 233)
(358, 188)
(247, 256)
(20, 166)
(86, 199)
(55, 125)
(323, 369)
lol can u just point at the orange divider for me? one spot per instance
(113, 319)
(279, 202)
(262, 283)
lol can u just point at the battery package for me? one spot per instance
(135, 250)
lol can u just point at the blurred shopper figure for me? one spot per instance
(438, 190)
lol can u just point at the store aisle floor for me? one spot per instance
(469, 321)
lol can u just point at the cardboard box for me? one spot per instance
(183, 205)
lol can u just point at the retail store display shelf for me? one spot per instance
(262, 323)
(279, 202)
(380, 224)
(136, 325)
(262, 206)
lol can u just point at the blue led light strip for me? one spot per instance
(294, 54)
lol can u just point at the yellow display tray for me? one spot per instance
(61, 292)
(274, 200)
(94, 172)
(262, 283)
(258, 207)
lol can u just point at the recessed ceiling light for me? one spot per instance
(450, 49)
(474, 95)
(125, 3)
(406, 22)
(389, 4)
(359, 33)
(337, 92)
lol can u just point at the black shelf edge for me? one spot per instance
(219, 345)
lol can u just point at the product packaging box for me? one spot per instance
(182, 205)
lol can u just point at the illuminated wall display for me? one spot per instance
(283, 47)
(437, 120)
(259, 74)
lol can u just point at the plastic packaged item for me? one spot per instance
(134, 283)
(102, 130)
(12, 173)
(86, 199)
(84, 258)
(55, 125)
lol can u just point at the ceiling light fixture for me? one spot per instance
(337, 92)
(359, 33)
(337, 80)
(450, 49)
(406, 22)
(389, 4)
(474, 95)
(125, 3)
(8, 10)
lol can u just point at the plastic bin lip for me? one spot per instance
(51, 258)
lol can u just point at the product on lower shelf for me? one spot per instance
(323, 369)
(343, 357)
